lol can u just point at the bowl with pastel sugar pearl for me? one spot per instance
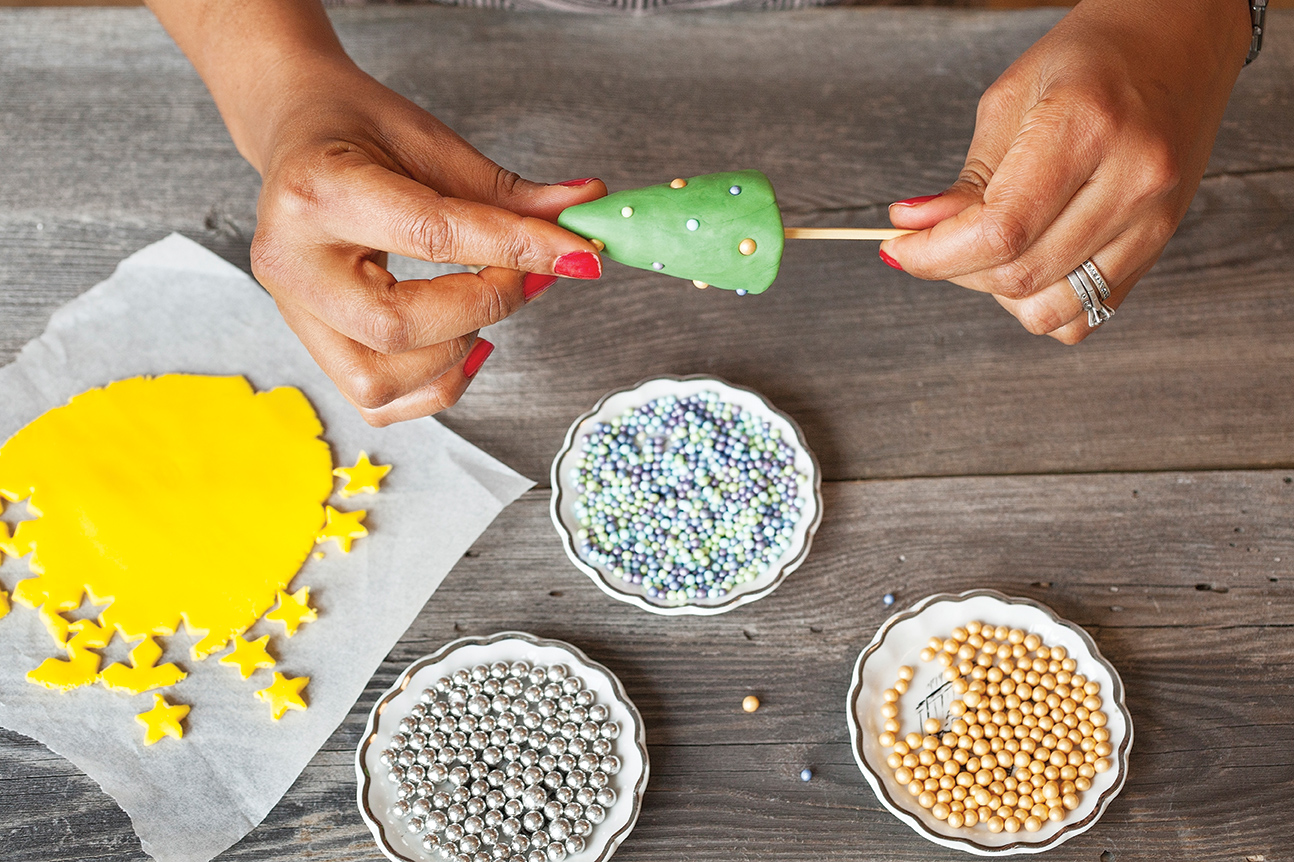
(686, 495)
(989, 724)
(516, 747)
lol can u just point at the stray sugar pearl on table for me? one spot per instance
(750, 703)
(806, 774)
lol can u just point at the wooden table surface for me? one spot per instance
(1141, 484)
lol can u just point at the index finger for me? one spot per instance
(1037, 177)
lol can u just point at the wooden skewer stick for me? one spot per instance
(878, 233)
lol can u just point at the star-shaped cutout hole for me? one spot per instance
(284, 694)
(363, 478)
(342, 527)
(247, 655)
(162, 720)
(293, 610)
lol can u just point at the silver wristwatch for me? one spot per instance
(1258, 14)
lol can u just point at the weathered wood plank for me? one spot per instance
(1211, 763)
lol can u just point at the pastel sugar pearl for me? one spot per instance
(687, 497)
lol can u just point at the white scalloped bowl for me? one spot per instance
(900, 641)
(376, 796)
(616, 403)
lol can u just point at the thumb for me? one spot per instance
(925, 212)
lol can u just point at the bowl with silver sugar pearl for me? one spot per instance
(988, 724)
(686, 495)
(507, 748)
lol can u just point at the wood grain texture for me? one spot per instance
(1185, 579)
(1207, 672)
(111, 142)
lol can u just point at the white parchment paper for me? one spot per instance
(176, 307)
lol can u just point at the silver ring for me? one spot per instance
(1090, 292)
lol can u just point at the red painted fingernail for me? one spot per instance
(575, 183)
(476, 357)
(912, 202)
(536, 283)
(578, 264)
(891, 261)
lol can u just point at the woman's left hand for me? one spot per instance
(1090, 146)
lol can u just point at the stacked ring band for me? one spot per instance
(1091, 288)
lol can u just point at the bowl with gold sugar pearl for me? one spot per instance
(989, 724)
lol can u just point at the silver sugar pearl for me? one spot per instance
(512, 787)
(560, 829)
(590, 730)
(577, 746)
(408, 725)
(498, 738)
(610, 765)
(601, 747)
(556, 852)
(499, 669)
(564, 795)
(574, 844)
(536, 856)
(572, 684)
(507, 721)
(513, 808)
(487, 724)
(534, 797)
(567, 762)
(538, 739)
(576, 779)
(475, 806)
(404, 790)
(551, 726)
(426, 757)
(446, 755)
(552, 691)
(460, 795)
(478, 770)
(519, 735)
(444, 684)
(401, 808)
(424, 789)
(467, 723)
(556, 745)
(480, 856)
(473, 824)
(512, 687)
(495, 799)
(395, 775)
(585, 795)
(448, 724)
(610, 730)
(414, 825)
(439, 709)
(386, 757)
(566, 703)
(533, 775)
(456, 813)
(539, 838)
(537, 674)
(513, 769)
(441, 800)
(553, 780)
(606, 797)
(399, 741)
(581, 827)
(547, 762)
(520, 842)
(519, 668)
(431, 842)
(457, 739)
(598, 780)
(437, 773)
(595, 813)
(501, 703)
(552, 810)
(421, 807)
(516, 857)
(532, 720)
(490, 688)
(495, 778)
(584, 697)
(474, 688)
(480, 672)
(458, 776)
(415, 773)
(546, 708)
(461, 857)
(418, 710)
(533, 821)
(533, 694)
(589, 762)
(571, 732)
(489, 835)
(479, 740)
(429, 694)
(466, 756)
(579, 715)
(436, 820)
(469, 843)
(573, 813)
(493, 818)
(457, 697)
(529, 758)
(462, 677)
(453, 832)
(510, 827)
(557, 672)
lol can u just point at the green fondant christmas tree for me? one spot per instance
(719, 229)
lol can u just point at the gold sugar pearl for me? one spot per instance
(750, 703)
(677, 183)
(906, 673)
(598, 244)
(746, 246)
(699, 285)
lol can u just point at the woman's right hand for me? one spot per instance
(351, 170)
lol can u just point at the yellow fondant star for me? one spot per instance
(247, 655)
(4, 604)
(342, 527)
(162, 720)
(363, 478)
(284, 694)
(144, 673)
(17, 545)
(293, 610)
(81, 667)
